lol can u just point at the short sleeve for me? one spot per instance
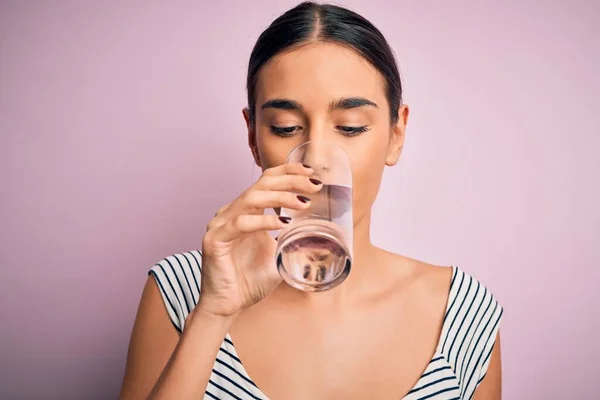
(178, 279)
(470, 329)
(490, 336)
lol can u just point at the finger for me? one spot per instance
(291, 168)
(262, 199)
(289, 183)
(244, 224)
(223, 209)
(219, 218)
(293, 191)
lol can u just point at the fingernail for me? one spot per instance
(285, 220)
(315, 181)
(303, 199)
(306, 166)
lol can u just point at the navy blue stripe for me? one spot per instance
(440, 392)
(454, 273)
(229, 341)
(463, 372)
(450, 309)
(162, 289)
(447, 378)
(480, 379)
(185, 275)
(187, 272)
(211, 395)
(485, 292)
(196, 262)
(436, 359)
(224, 390)
(489, 337)
(230, 355)
(456, 315)
(235, 384)
(463, 322)
(197, 258)
(434, 371)
(489, 354)
(185, 298)
(185, 255)
(171, 284)
(237, 372)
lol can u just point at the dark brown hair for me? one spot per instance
(310, 21)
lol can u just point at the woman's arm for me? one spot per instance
(491, 386)
(160, 364)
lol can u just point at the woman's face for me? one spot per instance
(323, 91)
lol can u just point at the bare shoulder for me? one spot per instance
(434, 279)
(426, 284)
(432, 284)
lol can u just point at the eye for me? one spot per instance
(284, 130)
(352, 130)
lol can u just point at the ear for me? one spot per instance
(397, 138)
(251, 136)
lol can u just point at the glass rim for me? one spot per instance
(328, 142)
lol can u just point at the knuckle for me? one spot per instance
(223, 208)
(293, 198)
(269, 171)
(244, 195)
(284, 197)
(238, 222)
(207, 240)
(211, 225)
(214, 223)
(264, 181)
(250, 197)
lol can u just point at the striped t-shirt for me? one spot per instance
(457, 368)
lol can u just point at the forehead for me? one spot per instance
(319, 72)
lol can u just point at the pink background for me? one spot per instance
(121, 134)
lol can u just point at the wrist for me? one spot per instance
(207, 314)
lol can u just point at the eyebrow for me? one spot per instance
(351, 102)
(345, 103)
(282, 104)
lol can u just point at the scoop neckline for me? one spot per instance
(255, 390)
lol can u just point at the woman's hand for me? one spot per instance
(237, 251)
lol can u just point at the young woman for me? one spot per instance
(219, 323)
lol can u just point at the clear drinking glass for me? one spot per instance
(314, 253)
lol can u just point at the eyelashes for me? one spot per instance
(284, 130)
(352, 130)
(349, 131)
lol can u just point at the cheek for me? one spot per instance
(366, 175)
(272, 152)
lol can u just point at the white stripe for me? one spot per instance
(467, 349)
(168, 296)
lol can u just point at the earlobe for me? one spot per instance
(397, 137)
(251, 136)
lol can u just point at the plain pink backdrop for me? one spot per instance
(121, 134)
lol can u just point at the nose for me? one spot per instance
(318, 155)
(329, 160)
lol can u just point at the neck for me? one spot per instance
(362, 258)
